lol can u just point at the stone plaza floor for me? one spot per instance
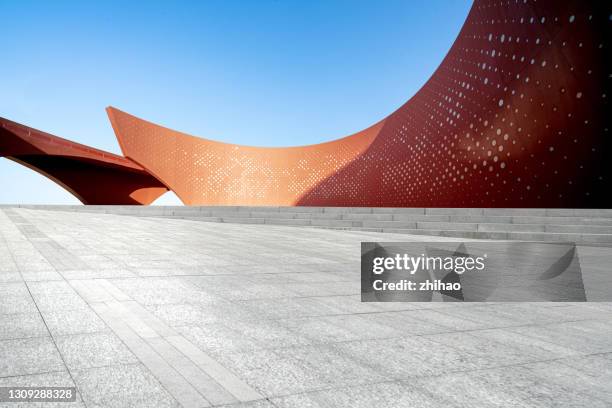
(151, 312)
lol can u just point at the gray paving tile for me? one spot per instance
(353, 304)
(496, 353)
(50, 288)
(405, 324)
(159, 291)
(590, 375)
(331, 366)
(17, 303)
(214, 393)
(218, 338)
(97, 273)
(10, 276)
(271, 374)
(224, 377)
(529, 347)
(290, 307)
(170, 379)
(588, 336)
(15, 299)
(93, 350)
(184, 314)
(22, 325)
(337, 328)
(252, 404)
(28, 356)
(522, 384)
(440, 318)
(64, 322)
(387, 394)
(149, 319)
(122, 386)
(59, 301)
(266, 334)
(409, 357)
(39, 276)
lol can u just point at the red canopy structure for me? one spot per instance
(91, 175)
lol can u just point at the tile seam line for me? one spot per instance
(142, 363)
(164, 337)
(129, 348)
(178, 334)
(29, 375)
(43, 319)
(190, 382)
(107, 325)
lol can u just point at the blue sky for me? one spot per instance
(266, 73)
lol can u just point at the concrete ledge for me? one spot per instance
(585, 226)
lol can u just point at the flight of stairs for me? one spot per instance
(583, 226)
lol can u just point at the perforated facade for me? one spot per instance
(516, 115)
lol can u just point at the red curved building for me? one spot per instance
(91, 175)
(516, 115)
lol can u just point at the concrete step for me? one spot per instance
(585, 226)
(473, 231)
(371, 219)
(290, 219)
(570, 220)
(349, 212)
(602, 239)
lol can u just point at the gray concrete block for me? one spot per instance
(389, 224)
(403, 211)
(510, 227)
(346, 210)
(205, 219)
(480, 219)
(28, 356)
(93, 350)
(454, 211)
(302, 209)
(202, 382)
(514, 211)
(231, 214)
(21, 325)
(581, 229)
(321, 216)
(266, 209)
(123, 386)
(244, 220)
(580, 212)
(334, 223)
(596, 238)
(300, 222)
(448, 226)
(277, 214)
(368, 217)
(421, 217)
(544, 236)
(238, 388)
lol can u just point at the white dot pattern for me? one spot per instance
(515, 116)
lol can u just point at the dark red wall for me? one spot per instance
(517, 115)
